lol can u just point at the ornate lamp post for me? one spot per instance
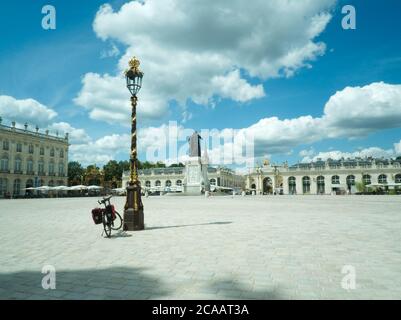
(133, 213)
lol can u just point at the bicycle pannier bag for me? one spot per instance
(97, 215)
(112, 210)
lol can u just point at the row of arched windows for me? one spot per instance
(18, 166)
(31, 149)
(350, 181)
(168, 183)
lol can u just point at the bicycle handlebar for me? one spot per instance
(105, 199)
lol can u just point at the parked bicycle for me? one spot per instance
(108, 215)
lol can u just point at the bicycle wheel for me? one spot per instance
(117, 223)
(106, 226)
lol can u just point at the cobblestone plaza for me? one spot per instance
(254, 247)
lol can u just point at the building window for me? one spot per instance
(3, 186)
(51, 168)
(306, 184)
(168, 183)
(178, 183)
(382, 179)
(147, 184)
(61, 169)
(351, 180)
(29, 167)
(158, 183)
(366, 179)
(19, 147)
(4, 164)
(51, 183)
(52, 152)
(397, 178)
(292, 185)
(212, 182)
(30, 148)
(335, 180)
(42, 151)
(6, 145)
(320, 185)
(17, 166)
(61, 153)
(41, 167)
(17, 187)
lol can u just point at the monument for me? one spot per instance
(196, 181)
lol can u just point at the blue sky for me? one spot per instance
(50, 67)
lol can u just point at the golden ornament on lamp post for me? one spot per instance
(133, 211)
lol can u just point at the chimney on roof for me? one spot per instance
(47, 132)
(26, 126)
(66, 136)
(1, 120)
(37, 128)
(13, 124)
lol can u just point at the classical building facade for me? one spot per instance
(31, 159)
(325, 177)
(173, 179)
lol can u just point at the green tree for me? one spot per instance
(160, 164)
(360, 186)
(124, 165)
(112, 170)
(177, 165)
(75, 173)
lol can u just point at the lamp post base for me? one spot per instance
(133, 213)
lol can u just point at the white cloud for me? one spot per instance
(35, 113)
(350, 113)
(107, 98)
(232, 86)
(113, 51)
(102, 150)
(26, 110)
(189, 49)
(307, 152)
(76, 136)
(358, 111)
(278, 136)
(374, 152)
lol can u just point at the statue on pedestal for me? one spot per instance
(194, 145)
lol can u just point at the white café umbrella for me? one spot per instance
(60, 188)
(43, 188)
(79, 187)
(93, 187)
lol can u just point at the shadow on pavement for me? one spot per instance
(91, 284)
(120, 234)
(231, 289)
(188, 225)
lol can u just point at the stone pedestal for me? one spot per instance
(194, 177)
(133, 213)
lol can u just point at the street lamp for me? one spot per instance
(133, 210)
